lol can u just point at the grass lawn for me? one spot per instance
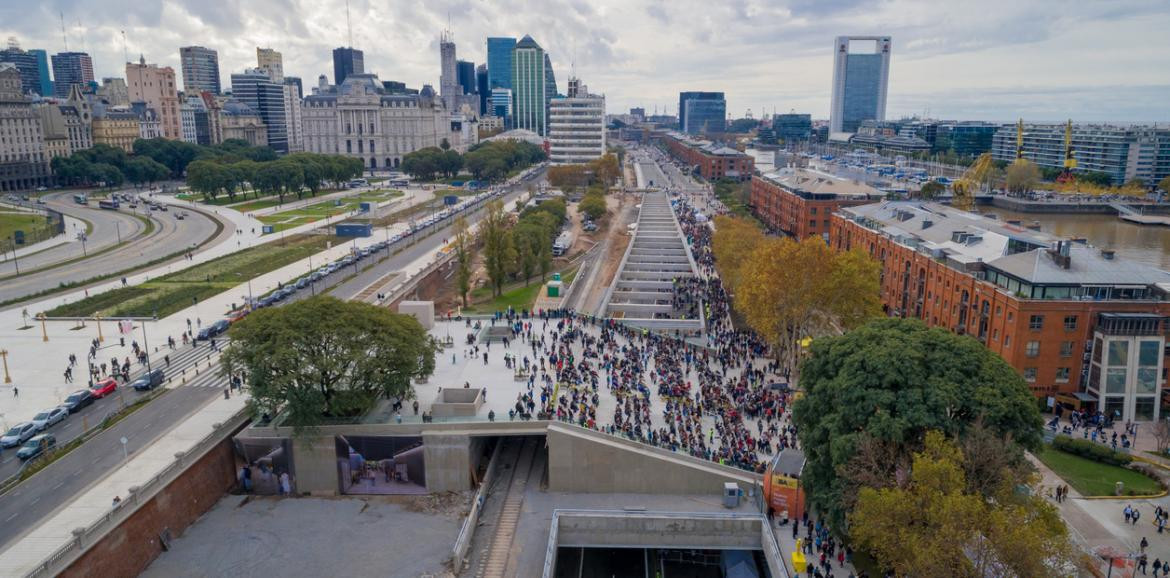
(324, 209)
(170, 293)
(18, 221)
(1091, 478)
(519, 298)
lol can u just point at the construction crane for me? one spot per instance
(1020, 140)
(964, 188)
(1070, 160)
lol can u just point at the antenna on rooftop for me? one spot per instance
(84, 46)
(125, 53)
(64, 38)
(348, 25)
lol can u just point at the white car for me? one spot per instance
(50, 417)
(18, 434)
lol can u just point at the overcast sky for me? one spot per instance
(1091, 60)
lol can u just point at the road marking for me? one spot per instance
(9, 518)
(35, 500)
(62, 483)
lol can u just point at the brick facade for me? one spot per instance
(132, 546)
(712, 166)
(800, 217)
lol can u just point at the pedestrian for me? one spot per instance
(15, 391)
(1136, 515)
(246, 478)
(1142, 563)
(1128, 513)
(1144, 544)
(285, 488)
(1157, 565)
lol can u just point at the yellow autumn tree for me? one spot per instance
(791, 290)
(933, 527)
(733, 242)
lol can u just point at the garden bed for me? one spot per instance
(1091, 478)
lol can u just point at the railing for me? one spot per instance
(85, 538)
(467, 532)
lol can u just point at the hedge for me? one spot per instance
(1091, 450)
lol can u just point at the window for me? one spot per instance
(1066, 348)
(1062, 375)
(812, 211)
(1032, 349)
(1036, 322)
(1011, 315)
(1007, 340)
(1119, 353)
(812, 223)
(998, 310)
(1030, 374)
(1070, 322)
(1149, 352)
(1115, 380)
(348, 147)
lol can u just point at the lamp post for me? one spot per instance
(146, 344)
(98, 317)
(44, 332)
(15, 261)
(4, 356)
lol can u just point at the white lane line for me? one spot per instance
(9, 518)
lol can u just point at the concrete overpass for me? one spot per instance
(642, 293)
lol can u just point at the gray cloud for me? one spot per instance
(1038, 57)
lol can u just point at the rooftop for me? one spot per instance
(967, 239)
(704, 145)
(808, 182)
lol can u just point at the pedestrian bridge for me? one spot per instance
(642, 293)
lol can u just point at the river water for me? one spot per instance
(1142, 243)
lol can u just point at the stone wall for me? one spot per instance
(132, 546)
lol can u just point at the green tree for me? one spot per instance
(527, 235)
(1022, 176)
(733, 243)
(323, 357)
(1164, 184)
(593, 205)
(449, 163)
(463, 256)
(933, 526)
(892, 380)
(495, 245)
(931, 190)
(1095, 178)
(422, 164)
(106, 173)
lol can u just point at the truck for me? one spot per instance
(563, 243)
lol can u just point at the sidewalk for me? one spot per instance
(34, 548)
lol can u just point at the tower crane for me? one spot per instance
(964, 188)
(1070, 159)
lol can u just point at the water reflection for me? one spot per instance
(1142, 243)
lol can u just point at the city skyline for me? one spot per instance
(996, 61)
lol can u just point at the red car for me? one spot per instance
(104, 387)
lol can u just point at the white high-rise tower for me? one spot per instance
(861, 78)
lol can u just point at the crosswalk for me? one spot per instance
(189, 366)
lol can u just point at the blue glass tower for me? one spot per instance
(499, 62)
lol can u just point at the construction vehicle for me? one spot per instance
(1070, 160)
(973, 180)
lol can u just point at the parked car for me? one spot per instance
(104, 387)
(18, 434)
(50, 417)
(77, 400)
(302, 282)
(149, 380)
(36, 446)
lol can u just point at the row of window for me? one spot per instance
(1036, 322)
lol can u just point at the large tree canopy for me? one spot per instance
(891, 380)
(323, 357)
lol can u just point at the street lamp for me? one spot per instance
(97, 316)
(44, 332)
(146, 344)
(4, 355)
(15, 261)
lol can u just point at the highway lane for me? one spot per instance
(23, 508)
(170, 235)
(107, 226)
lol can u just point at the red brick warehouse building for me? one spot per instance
(799, 202)
(713, 160)
(1080, 324)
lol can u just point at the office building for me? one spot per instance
(792, 127)
(187, 120)
(23, 163)
(115, 126)
(861, 76)
(798, 202)
(964, 139)
(711, 160)
(499, 62)
(114, 91)
(465, 71)
(501, 103)
(529, 87)
(481, 88)
(889, 137)
(347, 61)
(638, 113)
(448, 70)
(292, 115)
(66, 126)
(71, 68)
(1123, 153)
(361, 119)
(701, 112)
(1081, 325)
(272, 63)
(197, 122)
(155, 86)
(33, 66)
(238, 121)
(295, 81)
(200, 68)
(550, 79)
(149, 123)
(255, 88)
(576, 126)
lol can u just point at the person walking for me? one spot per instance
(1136, 516)
(285, 487)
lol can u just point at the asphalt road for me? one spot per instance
(37, 498)
(169, 235)
(23, 508)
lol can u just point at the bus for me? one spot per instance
(111, 205)
(81, 199)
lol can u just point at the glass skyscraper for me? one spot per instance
(700, 112)
(861, 73)
(71, 68)
(255, 88)
(347, 61)
(499, 62)
(465, 72)
(530, 83)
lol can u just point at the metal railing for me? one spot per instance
(86, 537)
(467, 532)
